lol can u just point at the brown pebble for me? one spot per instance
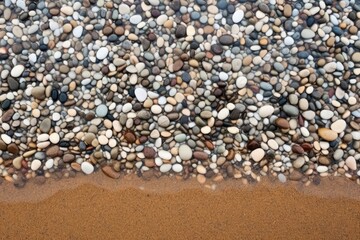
(67, 158)
(252, 145)
(52, 151)
(130, 136)
(110, 172)
(149, 152)
(282, 123)
(297, 149)
(202, 156)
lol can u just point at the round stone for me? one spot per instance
(241, 82)
(164, 155)
(54, 138)
(224, 113)
(135, 19)
(266, 111)
(307, 33)
(185, 152)
(35, 164)
(163, 121)
(257, 155)
(101, 110)
(87, 167)
(338, 126)
(102, 53)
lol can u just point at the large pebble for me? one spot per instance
(266, 111)
(102, 53)
(17, 71)
(87, 167)
(327, 134)
(258, 154)
(185, 152)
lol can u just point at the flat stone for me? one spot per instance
(6, 138)
(290, 110)
(327, 134)
(199, 155)
(163, 121)
(257, 155)
(110, 172)
(266, 111)
(177, 66)
(307, 33)
(226, 39)
(17, 71)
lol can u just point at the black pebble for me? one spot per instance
(63, 97)
(54, 95)
(5, 105)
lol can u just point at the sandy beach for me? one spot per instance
(97, 207)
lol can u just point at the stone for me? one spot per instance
(226, 39)
(199, 155)
(101, 110)
(241, 82)
(223, 113)
(355, 57)
(140, 94)
(102, 53)
(299, 162)
(307, 33)
(110, 172)
(327, 134)
(291, 110)
(77, 32)
(17, 71)
(38, 92)
(266, 111)
(149, 152)
(185, 152)
(164, 155)
(238, 16)
(351, 163)
(45, 125)
(257, 155)
(282, 123)
(338, 126)
(35, 165)
(87, 167)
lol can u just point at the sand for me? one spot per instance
(97, 207)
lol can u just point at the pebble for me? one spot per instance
(241, 82)
(101, 110)
(17, 71)
(140, 94)
(327, 134)
(238, 16)
(35, 164)
(102, 53)
(87, 167)
(185, 152)
(338, 126)
(266, 111)
(257, 155)
(351, 163)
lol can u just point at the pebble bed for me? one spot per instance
(207, 89)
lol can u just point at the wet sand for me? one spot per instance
(97, 207)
